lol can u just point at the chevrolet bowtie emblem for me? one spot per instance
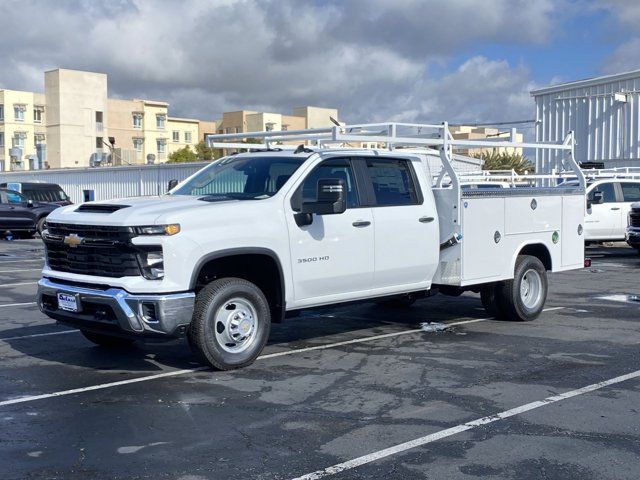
(73, 240)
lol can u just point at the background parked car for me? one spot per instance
(633, 229)
(20, 215)
(610, 201)
(40, 192)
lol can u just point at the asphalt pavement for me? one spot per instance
(345, 393)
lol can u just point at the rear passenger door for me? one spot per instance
(405, 221)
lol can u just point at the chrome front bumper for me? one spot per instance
(118, 311)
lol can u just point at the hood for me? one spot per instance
(130, 211)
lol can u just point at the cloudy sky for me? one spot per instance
(406, 60)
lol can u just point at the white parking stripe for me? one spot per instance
(17, 304)
(6, 339)
(418, 442)
(261, 357)
(17, 284)
(22, 270)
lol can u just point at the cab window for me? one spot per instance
(608, 192)
(14, 197)
(334, 168)
(393, 182)
(630, 192)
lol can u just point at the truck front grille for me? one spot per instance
(634, 218)
(93, 250)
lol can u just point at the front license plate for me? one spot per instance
(67, 302)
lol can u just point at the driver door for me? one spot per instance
(332, 258)
(603, 219)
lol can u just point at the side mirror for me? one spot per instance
(598, 198)
(172, 184)
(331, 200)
(30, 203)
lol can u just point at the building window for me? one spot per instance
(176, 136)
(99, 143)
(162, 146)
(1, 113)
(160, 120)
(19, 139)
(187, 137)
(221, 131)
(18, 112)
(1, 139)
(238, 130)
(99, 121)
(38, 139)
(138, 142)
(285, 127)
(38, 114)
(137, 120)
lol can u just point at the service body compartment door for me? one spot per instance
(573, 207)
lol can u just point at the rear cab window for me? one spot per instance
(630, 191)
(394, 182)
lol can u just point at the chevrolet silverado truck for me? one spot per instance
(254, 236)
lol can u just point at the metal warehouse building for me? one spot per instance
(604, 113)
(105, 183)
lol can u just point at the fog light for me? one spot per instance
(148, 312)
(152, 264)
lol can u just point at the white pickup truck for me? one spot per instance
(255, 235)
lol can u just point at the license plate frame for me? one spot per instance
(69, 302)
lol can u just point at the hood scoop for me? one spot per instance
(100, 207)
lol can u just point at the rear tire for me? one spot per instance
(522, 298)
(490, 297)
(108, 341)
(231, 324)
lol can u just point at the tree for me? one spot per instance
(205, 153)
(183, 155)
(506, 161)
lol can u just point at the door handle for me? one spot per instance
(615, 208)
(426, 219)
(361, 223)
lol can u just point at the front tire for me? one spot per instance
(522, 298)
(230, 325)
(108, 341)
(40, 225)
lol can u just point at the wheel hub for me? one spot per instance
(531, 289)
(236, 324)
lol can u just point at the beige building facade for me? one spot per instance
(462, 132)
(74, 124)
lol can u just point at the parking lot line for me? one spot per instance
(17, 284)
(174, 373)
(418, 442)
(6, 339)
(17, 304)
(22, 270)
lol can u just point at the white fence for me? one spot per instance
(109, 182)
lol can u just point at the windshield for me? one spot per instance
(242, 178)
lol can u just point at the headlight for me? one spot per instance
(152, 264)
(171, 229)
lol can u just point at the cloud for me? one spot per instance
(373, 59)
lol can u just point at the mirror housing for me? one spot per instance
(30, 203)
(172, 183)
(331, 200)
(598, 198)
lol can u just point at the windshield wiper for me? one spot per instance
(213, 197)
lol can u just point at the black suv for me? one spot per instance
(21, 216)
(40, 191)
(633, 226)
